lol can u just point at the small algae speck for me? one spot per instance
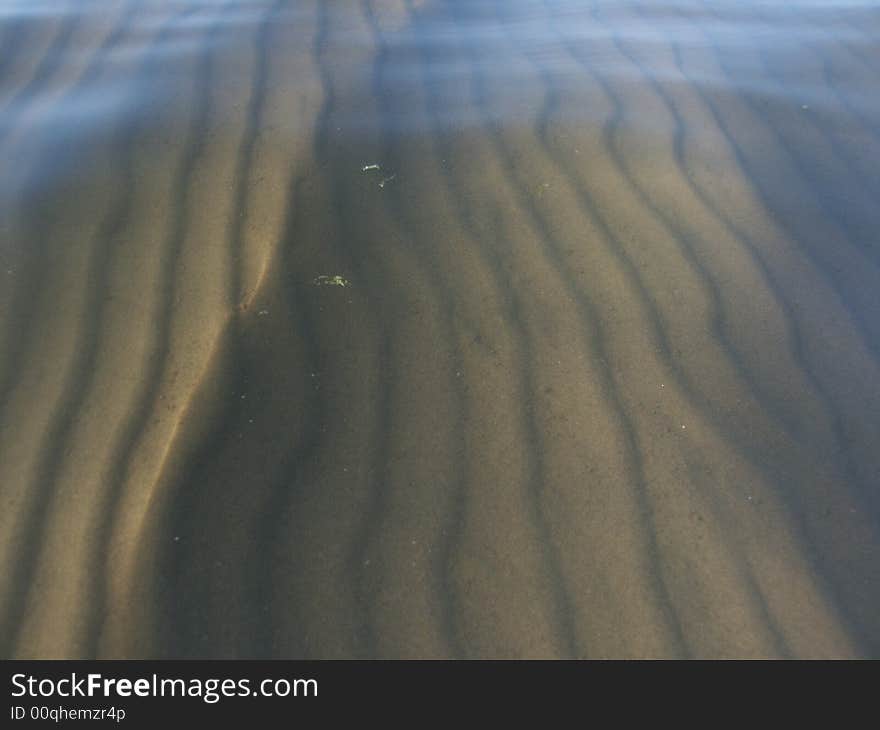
(325, 280)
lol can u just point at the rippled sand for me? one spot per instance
(600, 376)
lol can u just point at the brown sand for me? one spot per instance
(604, 383)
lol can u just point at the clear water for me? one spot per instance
(439, 328)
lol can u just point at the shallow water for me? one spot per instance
(439, 328)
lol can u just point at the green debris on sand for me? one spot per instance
(325, 280)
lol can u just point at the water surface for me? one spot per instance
(439, 328)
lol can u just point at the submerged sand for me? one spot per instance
(603, 379)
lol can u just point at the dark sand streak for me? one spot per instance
(816, 253)
(720, 318)
(146, 401)
(834, 411)
(763, 397)
(337, 165)
(444, 595)
(836, 587)
(747, 447)
(443, 144)
(617, 252)
(79, 380)
(49, 64)
(15, 344)
(562, 601)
